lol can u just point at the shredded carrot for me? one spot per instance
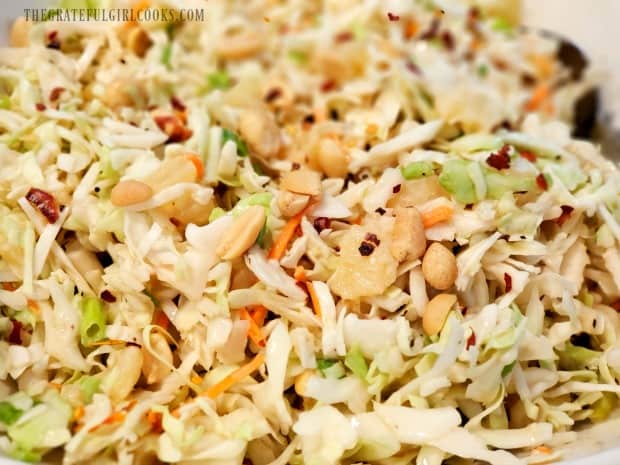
(33, 306)
(357, 220)
(235, 377)
(155, 418)
(197, 162)
(543, 449)
(372, 129)
(315, 299)
(161, 319)
(410, 29)
(539, 97)
(254, 331)
(437, 215)
(115, 417)
(78, 413)
(300, 274)
(259, 313)
(196, 379)
(285, 236)
(54, 385)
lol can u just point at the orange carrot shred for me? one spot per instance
(300, 273)
(254, 331)
(78, 413)
(161, 319)
(539, 96)
(197, 162)
(285, 236)
(107, 342)
(259, 313)
(155, 419)
(314, 298)
(543, 449)
(437, 215)
(235, 377)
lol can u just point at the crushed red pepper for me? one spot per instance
(173, 127)
(471, 340)
(39, 106)
(541, 182)
(366, 248)
(15, 336)
(392, 16)
(177, 104)
(529, 156)
(107, 296)
(55, 93)
(396, 189)
(45, 203)
(344, 36)
(328, 85)
(567, 211)
(500, 160)
(372, 238)
(508, 282)
(321, 223)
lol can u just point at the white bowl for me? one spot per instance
(600, 444)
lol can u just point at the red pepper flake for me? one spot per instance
(500, 160)
(55, 93)
(508, 282)
(615, 305)
(344, 36)
(173, 127)
(541, 182)
(45, 203)
(328, 85)
(471, 340)
(366, 248)
(411, 66)
(432, 31)
(15, 337)
(321, 223)
(52, 40)
(393, 17)
(177, 104)
(396, 189)
(39, 106)
(567, 210)
(448, 40)
(529, 156)
(107, 296)
(272, 94)
(372, 238)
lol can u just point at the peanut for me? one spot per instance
(436, 312)
(123, 93)
(153, 369)
(19, 32)
(172, 171)
(408, 239)
(242, 234)
(417, 191)
(241, 45)
(138, 41)
(290, 203)
(332, 158)
(259, 129)
(123, 372)
(302, 181)
(439, 267)
(130, 192)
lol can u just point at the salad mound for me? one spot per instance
(302, 232)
